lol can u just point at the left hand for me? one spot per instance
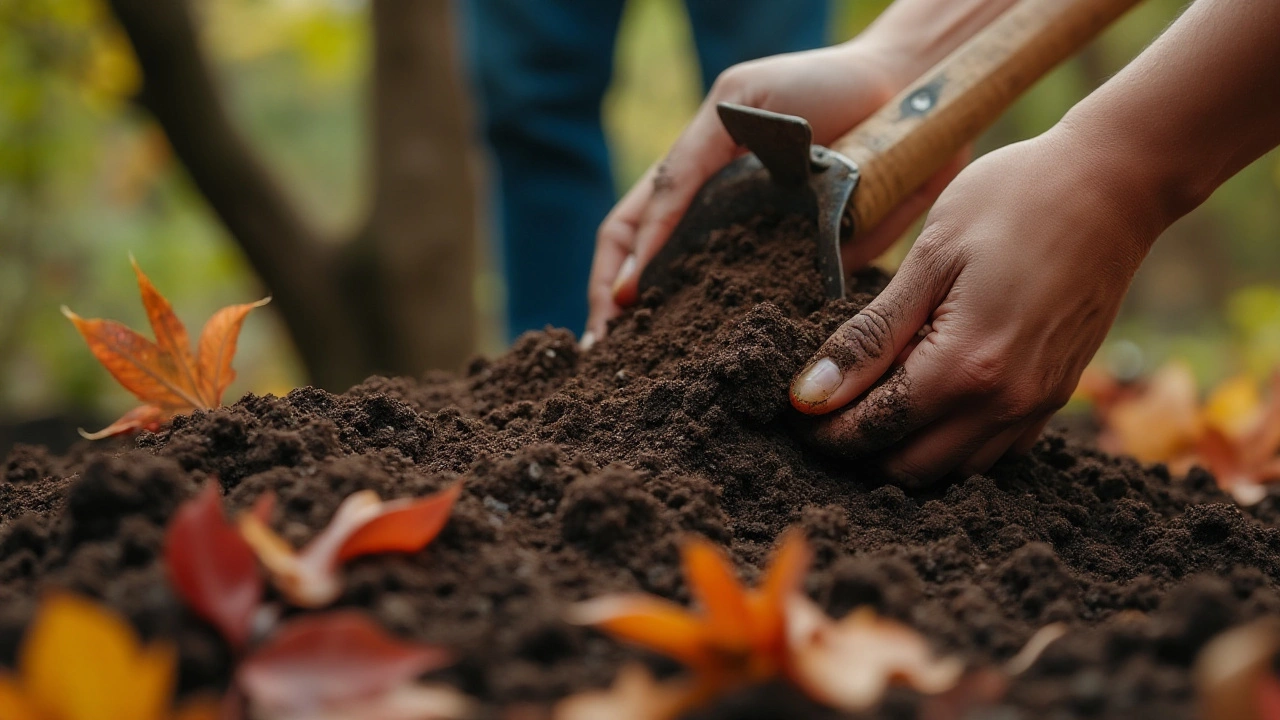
(1017, 276)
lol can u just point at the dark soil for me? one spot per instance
(583, 470)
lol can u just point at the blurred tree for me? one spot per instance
(396, 295)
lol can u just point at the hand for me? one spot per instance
(1014, 280)
(834, 89)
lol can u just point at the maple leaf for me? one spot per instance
(362, 525)
(82, 662)
(342, 665)
(742, 636)
(212, 567)
(165, 374)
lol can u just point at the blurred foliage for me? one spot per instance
(85, 178)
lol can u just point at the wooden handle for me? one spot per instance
(919, 131)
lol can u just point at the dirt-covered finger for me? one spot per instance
(940, 449)
(615, 242)
(702, 150)
(912, 397)
(863, 349)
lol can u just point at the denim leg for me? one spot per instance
(728, 32)
(541, 68)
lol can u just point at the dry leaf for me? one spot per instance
(342, 665)
(362, 525)
(1234, 673)
(1161, 422)
(1235, 434)
(1243, 457)
(634, 695)
(165, 375)
(737, 637)
(82, 662)
(849, 663)
(742, 636)
(212, 567)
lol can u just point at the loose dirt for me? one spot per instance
(583, 470)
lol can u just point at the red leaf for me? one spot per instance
(212, 567)
(318, 661)
(403, 525)
(363, 524)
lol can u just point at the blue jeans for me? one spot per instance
(541, 68)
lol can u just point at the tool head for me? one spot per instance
(784, 174)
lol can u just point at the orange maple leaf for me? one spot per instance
(744, 636)
(165, 375)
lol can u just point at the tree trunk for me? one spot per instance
(398, 297)
(424, 211)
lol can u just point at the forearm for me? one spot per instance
(911, 36)
(1193, 109)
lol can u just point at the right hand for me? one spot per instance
(833, 88)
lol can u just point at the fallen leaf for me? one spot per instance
(738, 636)
(1234, 675)
(332, 664)
(80, 661)
(362, 525)
(1235, 434)
(849, 663)
(212, 567)
(1243, 458)
(634, 695)
(1161, 422)
(165, 375)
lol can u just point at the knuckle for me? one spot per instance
(984, 373)
(730, 83)
(868, 334)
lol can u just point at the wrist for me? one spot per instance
(1118, 200)
(1159, 178)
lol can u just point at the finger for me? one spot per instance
(864, 347)
(940, 449)
(994, 449)
(1029, 437)
(700, 152)
(912, 397)
(873, 244)
(614, 242)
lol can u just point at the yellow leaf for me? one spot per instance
(81, 662)
(13, 704)
(1234, 406)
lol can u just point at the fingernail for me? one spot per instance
(818, 382)
(624, 274)
(587, 341)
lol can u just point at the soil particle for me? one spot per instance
(582, 472)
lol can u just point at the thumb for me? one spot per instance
(863, 349)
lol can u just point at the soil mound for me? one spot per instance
(583, 471)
